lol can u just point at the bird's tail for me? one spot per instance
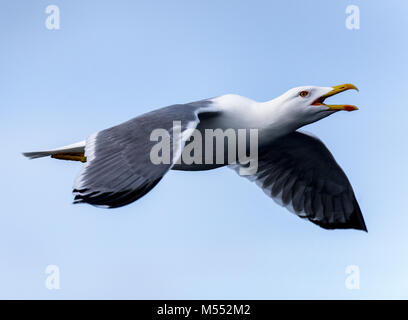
(73, 152)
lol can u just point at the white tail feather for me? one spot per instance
(78, 147)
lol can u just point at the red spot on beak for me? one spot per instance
(349, 108)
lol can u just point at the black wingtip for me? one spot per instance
(341, 226)
(355, 221)
(361, 226)
(348, 225)
(112, 200)
(356, 218)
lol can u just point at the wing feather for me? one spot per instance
(300, 173)
(119, 169)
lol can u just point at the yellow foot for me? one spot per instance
(70, 156)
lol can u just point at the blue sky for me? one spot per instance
(209, 234)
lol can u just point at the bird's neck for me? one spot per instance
(270, 118)
(274, 120)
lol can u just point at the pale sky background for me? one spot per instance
(210, 234)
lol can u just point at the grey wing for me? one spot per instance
(300, 173)
(119, 170)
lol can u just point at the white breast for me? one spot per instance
(238, 112)
(243, 113)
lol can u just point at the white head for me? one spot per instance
(303, 105)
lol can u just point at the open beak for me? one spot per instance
(336, 90)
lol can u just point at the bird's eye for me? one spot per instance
(303, 94)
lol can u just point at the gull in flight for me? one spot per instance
(293, 168)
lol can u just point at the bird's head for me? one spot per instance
(304, 105)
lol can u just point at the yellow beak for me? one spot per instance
(336, 90)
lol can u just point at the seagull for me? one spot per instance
(293, 167)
